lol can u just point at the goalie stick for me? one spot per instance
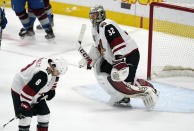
(1, 19)
(83, 53)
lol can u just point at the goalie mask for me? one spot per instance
(97, 14)
(57, 66)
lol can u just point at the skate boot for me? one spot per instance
(39, 27)
(49, 33)
(123, 102)
(26, 32)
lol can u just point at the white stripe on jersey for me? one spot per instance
(117, 47)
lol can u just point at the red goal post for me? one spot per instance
(171, 39)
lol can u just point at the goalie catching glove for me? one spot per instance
(120, 70)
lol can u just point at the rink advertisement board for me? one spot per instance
(127, 12)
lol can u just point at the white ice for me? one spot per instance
(71, 111)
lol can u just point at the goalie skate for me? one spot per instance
(125, 102)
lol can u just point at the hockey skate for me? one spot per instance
(39, 27)
(125, 102)
(49, 33)
(26, 32)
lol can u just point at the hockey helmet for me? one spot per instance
(59, 65)
(97, 14)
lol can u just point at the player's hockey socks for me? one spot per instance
(42, 126)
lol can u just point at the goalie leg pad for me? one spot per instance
(101, 77)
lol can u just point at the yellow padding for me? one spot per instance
(81, 11)
(121, 18)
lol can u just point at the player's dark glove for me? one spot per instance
(47, 96)
(3, 20)
(24, 110)
(50, 95)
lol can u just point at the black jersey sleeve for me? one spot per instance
(113, 36)
(38, 81)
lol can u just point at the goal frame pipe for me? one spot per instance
(165, 5)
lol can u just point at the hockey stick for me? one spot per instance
(83, 53)
(1, 19)
(8, 122)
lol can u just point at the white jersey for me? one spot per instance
(33, 80)
(111, 40)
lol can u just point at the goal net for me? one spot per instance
(171, 40)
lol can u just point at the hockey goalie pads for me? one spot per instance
(120, 71)
(94, 55)
(150, 98)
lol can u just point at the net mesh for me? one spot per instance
(172, 42)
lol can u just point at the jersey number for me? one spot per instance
(38, 82)
(111, 31)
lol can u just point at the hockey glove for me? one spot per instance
(120, 70)
(50, 95)
(47, 96)
(24, 111)
(3, 20)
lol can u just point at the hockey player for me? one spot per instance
(31, 87)
(115, 58)
(3, 19)
(37, 7)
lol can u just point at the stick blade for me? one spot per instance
(82, 31)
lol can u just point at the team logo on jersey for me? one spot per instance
(100, 47)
